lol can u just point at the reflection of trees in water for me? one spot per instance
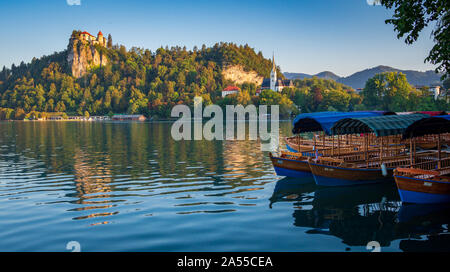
(132, 150)
(90, 177)
(361, 214)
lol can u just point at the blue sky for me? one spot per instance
(309, 36)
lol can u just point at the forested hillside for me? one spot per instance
(134, 81)
(151, 83)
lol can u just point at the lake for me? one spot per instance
(130, 187)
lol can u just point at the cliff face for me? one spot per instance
(238, 75)
(82, 56)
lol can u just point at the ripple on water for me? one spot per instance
(128, 186)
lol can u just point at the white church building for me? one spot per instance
(273, 83)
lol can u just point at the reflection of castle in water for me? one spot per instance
(361, 214)
(91, 178)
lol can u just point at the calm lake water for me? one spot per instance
(130, 187)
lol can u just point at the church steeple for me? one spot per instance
(273, 74)
(273, 62)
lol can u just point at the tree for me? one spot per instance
(412, 16)
(110, 42)
(19, 114)
(446, 85)
(387, 91)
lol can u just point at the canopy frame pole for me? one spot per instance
(314, 143)
(339, 145)
(411, 151)
(439, 150)
(323, 141)
(332, 145)
(366, 155)
(381, 150)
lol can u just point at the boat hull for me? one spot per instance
(325, 175)
(423, 191)
(291, 168)
(291, 149)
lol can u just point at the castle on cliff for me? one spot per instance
(100, 40)
(81, 58)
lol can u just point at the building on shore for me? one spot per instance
(230, 90)
(128, 117)
(435, 91)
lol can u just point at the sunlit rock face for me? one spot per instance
(83, 55)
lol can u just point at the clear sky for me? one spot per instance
(308, 36)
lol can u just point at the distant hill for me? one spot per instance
(328, 75)
(358, 79)
(324, 75)
(296, 75)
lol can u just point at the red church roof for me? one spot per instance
(100, 33)
(84, 32)
(231, 88)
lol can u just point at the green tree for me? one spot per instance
(412, 16)
(110, 41)
(387, 91)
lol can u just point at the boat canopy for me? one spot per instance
(380, 125)
(428, 126)
(433, 113)
(323, 121)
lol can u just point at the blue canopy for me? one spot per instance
(323, 121)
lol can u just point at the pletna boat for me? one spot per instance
(427, 181)
(293, 162)
(370, 165)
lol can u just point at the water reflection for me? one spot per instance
(109, 164)
(360, 214)
(130, 187)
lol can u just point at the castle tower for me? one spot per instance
(273, 75)
(101, 39)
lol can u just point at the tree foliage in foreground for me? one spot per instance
(412, 16)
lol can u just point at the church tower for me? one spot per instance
(273, 75)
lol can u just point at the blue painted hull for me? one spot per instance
(422, 198)
(291, 168)
(326, 181)
(291, 173)
(338, 176)
(423, 191)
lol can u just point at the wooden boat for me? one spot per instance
(370, 165)
(296, 165)
(291, 165)
(341, 175)
(426, 181)
(423, 186)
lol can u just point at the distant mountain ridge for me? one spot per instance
(358, 79)
(325, 74)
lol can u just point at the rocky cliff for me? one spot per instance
(82, 56)
(238, 75)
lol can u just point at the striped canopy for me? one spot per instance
(380, 125)
(428, 126)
